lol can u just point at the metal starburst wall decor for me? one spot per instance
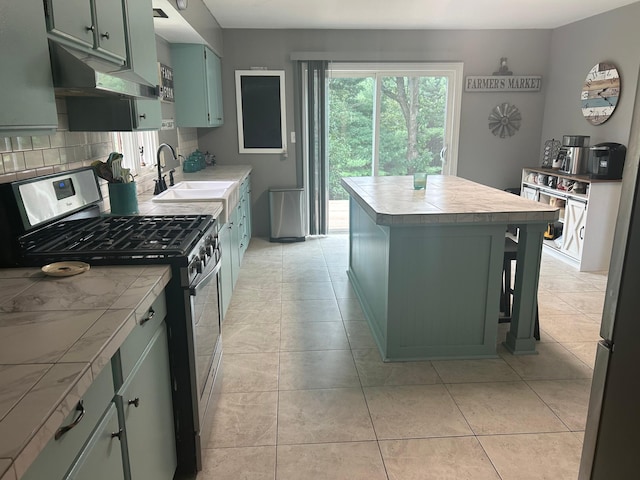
(505, 120)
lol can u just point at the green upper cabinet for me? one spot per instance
(143, 60)
(114, 114)
(197, 86)
(95, 25)
(28, 103)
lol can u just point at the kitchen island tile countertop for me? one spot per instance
(426, 265)
(446, 199)
(56, 335)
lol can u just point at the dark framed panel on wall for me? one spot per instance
(261, 111)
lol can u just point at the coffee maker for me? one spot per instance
(573, 154)
(606, 160)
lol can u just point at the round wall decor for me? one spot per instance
(600, 93)
(504, 120)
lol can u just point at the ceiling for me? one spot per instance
(405, 14)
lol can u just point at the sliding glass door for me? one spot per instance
(389, 119)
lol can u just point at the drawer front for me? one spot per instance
(139, 338)
(57, 456)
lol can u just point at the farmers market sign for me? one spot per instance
(503, 83)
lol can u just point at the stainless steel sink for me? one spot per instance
(203, 191)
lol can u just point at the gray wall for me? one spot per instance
(482, 156)
(612, 37)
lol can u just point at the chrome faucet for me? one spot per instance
(161, 185)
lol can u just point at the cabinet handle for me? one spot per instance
(117, 434)
(105, 35)
(62, 430)
(143, 115)
(135, 402)
(149, 316)
(91, 28)
(582, 233)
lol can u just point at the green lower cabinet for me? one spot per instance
(234, 222)
(147, 414)
(102, 457)
(226, 275)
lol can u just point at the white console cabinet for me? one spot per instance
(587, 216)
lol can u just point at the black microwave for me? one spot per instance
(606, 161)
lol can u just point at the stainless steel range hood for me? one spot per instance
(76, 73)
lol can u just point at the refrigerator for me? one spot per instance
(611, 449)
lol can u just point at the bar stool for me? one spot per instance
(510, 254)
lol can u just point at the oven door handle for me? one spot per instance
(204, 277)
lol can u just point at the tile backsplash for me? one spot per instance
(25, 157)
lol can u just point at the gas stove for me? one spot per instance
(117, 239)
(57, 217)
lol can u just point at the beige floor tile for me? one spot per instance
(265, 274)
(503, 407)
(307, 291)
(572, 328)
(351, 310)
(551, 304)
(317, 369)
(244, 420)
(311, 311)
(257, 291)
(374, 372)
(262, 246)
(588, 302)
(248, 338)
(553, 362)
(569, 399)
(313, 336)
(338, 273)
(343, 289)
(243, 463)
(322, 416)
(547, 456)
(304, 273)
(359, 335)
(585, 351)
(253, 312)
(249, 372)
(459, 458)
(467, 371)
(330, 461)
(303, 261)
(417, 411)
(567, 283)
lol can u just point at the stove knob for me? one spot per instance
(196, 265)
(205, 253)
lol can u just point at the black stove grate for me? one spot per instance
(118, 237)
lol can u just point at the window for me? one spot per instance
(392, 119)
(138, 150)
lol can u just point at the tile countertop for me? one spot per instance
(447, 199)
(236, 173)
(56, 335)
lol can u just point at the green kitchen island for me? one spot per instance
(426, 265)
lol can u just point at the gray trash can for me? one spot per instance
(286, 214)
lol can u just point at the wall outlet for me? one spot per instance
(293, 137)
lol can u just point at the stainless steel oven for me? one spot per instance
(57, 217)
(202, 305)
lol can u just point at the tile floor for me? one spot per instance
(305, 395)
